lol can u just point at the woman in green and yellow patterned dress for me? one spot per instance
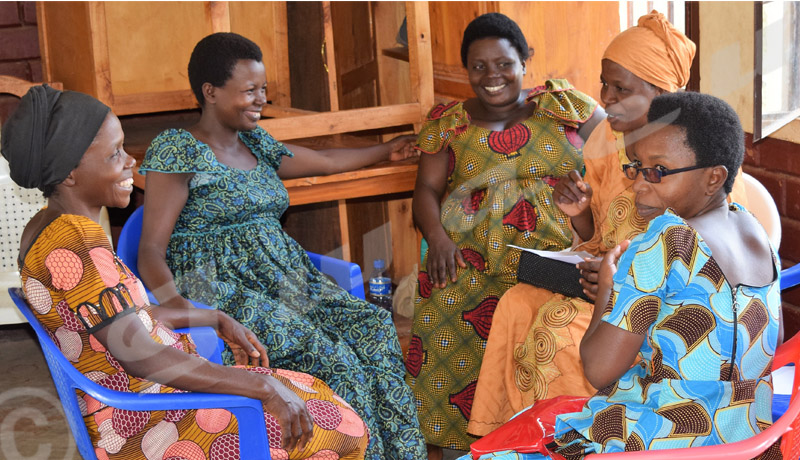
(496, 157)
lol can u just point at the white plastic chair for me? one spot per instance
(762, 205)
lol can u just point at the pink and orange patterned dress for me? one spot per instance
(76, 286)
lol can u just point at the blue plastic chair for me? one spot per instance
(253, 441)
(346, 274)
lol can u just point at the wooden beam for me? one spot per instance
(218, 14)
(329, 55)
(345, 121)
(419, 56)
(96, 12)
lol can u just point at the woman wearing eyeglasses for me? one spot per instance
(695, 299)
(532, 350)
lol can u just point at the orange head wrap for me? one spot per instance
(654, 51)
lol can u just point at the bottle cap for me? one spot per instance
(379, 264)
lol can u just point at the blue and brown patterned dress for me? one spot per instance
(704, 375)
(704, 372)
(500, 192)
(228, 250)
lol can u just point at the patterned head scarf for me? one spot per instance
(654, 51)
(46, 137)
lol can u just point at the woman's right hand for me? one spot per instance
(572, 195)
(589, 275)
(290, 411)
(443, 256)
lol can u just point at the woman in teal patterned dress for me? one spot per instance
(211, 233)
(696, 297)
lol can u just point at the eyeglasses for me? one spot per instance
(653, 175)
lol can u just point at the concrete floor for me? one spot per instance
(32, 424)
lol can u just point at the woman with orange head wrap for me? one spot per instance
(532, 352)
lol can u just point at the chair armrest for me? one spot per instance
(208, 343)
(790, 277)
(347, 274)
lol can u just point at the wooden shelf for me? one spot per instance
(398, 52)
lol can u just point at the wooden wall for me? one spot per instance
(726, 71)
(568, 39)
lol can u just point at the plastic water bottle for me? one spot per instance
(380, 286)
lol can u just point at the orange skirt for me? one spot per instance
(532, 354)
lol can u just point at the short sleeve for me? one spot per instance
(657, 262)
(78, 262)
(177, 151)
(443, 123)
(265, 147)
(560, 100)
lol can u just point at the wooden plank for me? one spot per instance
(127, 104)
(359, 77)
(344, 229)
(218, 14)
(44, 44)
(330, 58)
(419, 55)
(265, 23)
(67, 44)
(101, 62)
(276, 111)
(355, 188)
(404, 238)
(344, 121)
(150, 44)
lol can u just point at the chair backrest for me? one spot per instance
(762, 205)
(346, 274)
(17, 206)
(253, 441)
(128, 242)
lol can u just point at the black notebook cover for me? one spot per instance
(553, 275)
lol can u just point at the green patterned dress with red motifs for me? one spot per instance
(499, 192)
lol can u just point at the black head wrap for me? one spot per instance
(46, 137)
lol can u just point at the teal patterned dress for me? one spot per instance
(228, 250)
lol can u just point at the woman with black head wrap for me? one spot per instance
(70, 145)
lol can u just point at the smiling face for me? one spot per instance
(105, 173)
(239, 101)
(625, 97)
(495, 71)
(684, 191)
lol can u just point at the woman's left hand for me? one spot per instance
(608, 267)
(246, 347)
(402, 147)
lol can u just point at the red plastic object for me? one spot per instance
(529, 431)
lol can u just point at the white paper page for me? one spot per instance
(566, 255)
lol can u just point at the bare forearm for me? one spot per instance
(175, 318)
(158, 278)
(427, 214)
(175, 368)
(583, 224)
(340, 160)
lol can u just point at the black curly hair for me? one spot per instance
(495, 25)
(712, 128)
(214, 58)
